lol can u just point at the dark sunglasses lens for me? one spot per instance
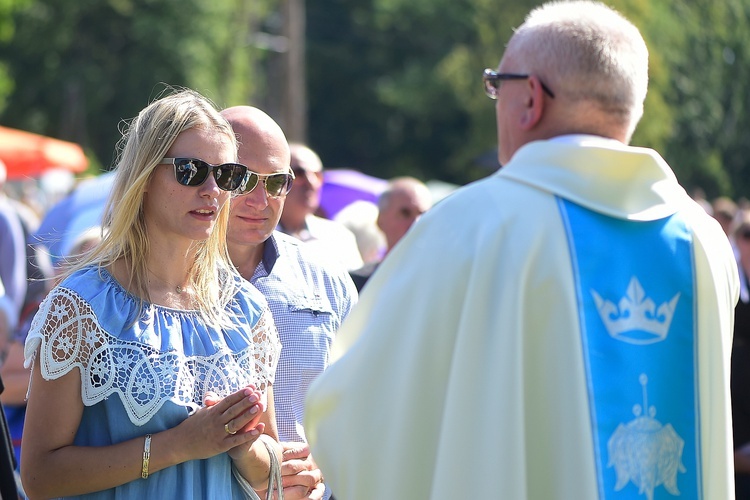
(190, 172)
(229, 176)
(276, 185)
(251, 182)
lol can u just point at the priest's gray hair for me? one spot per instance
(586, 51)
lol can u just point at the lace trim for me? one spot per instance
(70, 335)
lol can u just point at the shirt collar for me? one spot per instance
(585, 140)
(270, 253)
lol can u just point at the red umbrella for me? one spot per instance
(29, 155)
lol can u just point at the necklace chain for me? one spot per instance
(178, 288)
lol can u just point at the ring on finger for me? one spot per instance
(226, 428)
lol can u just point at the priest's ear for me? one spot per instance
(534, 103)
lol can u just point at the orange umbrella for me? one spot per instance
(30, 155)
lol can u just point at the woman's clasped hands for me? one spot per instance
(225, 424)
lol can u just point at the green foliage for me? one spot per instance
(377, 81)
(709, 62)
(694, 110)
(7, 30)
(394, 86)
(81, 67)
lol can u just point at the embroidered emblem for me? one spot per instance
(636, 320)
(646, 453)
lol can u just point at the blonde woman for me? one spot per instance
(152, 361)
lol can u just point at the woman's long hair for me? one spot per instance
(144, 143)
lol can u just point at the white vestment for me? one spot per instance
(461, 372)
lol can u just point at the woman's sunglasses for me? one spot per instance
(194, 172)
(276, 184)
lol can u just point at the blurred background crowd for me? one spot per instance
(386, 92)
(388, 87)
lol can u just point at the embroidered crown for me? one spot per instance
(636, 319)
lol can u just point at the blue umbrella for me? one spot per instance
(82, 209)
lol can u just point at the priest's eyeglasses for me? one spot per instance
(492, 80)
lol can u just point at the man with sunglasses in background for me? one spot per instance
(308, 296)
(299, 218)
(560, 330)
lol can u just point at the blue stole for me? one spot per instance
(636, 302)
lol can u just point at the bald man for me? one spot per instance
(308, 297)
(298, 219)
(402, 203)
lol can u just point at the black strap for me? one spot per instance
(7, 457)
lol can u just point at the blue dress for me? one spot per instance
(142, 375)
